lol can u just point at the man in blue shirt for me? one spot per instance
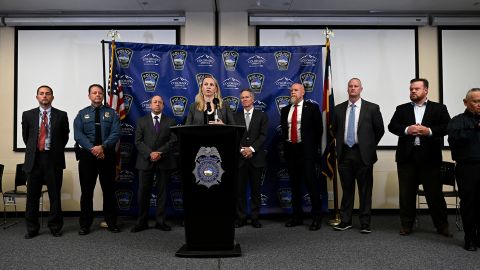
(97, 131)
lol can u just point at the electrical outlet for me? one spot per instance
(9, 200)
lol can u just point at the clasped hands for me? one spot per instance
(218, 122)
(97, 151)
(418, 130)
(246, 152)
(155, 156)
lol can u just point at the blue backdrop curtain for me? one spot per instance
(174, 72)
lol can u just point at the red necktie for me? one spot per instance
(43, 132)
(293, 127)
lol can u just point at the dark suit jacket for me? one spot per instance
(254, 137)
(369, 132)
(195, 117)
(311, 128)
(436, 117)
(59, 130)
(147, 141)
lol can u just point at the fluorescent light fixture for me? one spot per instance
(95, 21)
(439, 20)
(339, 20)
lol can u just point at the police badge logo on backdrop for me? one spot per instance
(175, 72)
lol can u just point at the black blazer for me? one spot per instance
(369, 132)
(436, 118)
(59, 131)
(254, 137)
(311, 128)
(196, 117)
(147, 141)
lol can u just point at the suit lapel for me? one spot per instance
(53, 119)
(411, 114)
(427, 113)
(149, 123)
(36, 119)
(362, 114)
(341, 118)
(253, 120)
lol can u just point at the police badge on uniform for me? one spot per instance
(208, 167)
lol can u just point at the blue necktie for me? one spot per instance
(351, 126)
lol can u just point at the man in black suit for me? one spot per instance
(358, 127)
(45, 133)
(420, 126)
(252, 158)
(301, 124)
(154, 143)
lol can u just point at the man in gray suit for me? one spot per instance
(154, 142)
(252, 158)
(358, 127)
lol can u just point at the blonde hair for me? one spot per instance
(200, 101)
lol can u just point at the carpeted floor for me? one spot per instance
(272, 247)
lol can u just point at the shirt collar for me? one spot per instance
(421, 105)
(358, 103)
(93, 108)
(48, 110)
(153, 115)
(251, 111)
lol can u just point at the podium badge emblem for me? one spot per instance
(208, 167)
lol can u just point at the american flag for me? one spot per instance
(328, 104)
(115, 94)
(116, 102)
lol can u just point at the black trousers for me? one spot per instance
(351, 167)
(89, 168)
(410, 176)
(248, 174)
(302, 169)
(468, 181)
(44, 172)
(146, 179)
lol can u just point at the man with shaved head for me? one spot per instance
(301, 124)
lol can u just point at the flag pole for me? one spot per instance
(329, 103)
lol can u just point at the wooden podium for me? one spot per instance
(209, 165)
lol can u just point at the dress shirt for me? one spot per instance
(245, 116)
(299, 121)
(419, 110)
(358, 106)
(153, 117)
(49, 114)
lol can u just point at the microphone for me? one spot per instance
(209, 107)
(215, 102)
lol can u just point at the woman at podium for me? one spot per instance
(208, 107)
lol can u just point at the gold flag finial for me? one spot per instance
(113, 34)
